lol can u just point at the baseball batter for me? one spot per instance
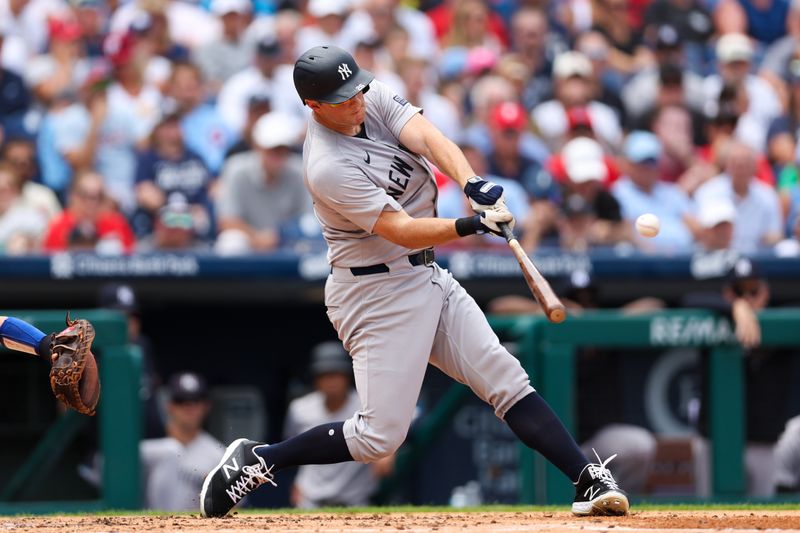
(366, 159)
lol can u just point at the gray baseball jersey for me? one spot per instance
(353, 179)
(394, 323)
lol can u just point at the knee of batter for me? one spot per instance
(374, 439)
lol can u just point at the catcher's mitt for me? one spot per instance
(74, 377)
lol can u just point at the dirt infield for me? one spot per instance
(649, 521)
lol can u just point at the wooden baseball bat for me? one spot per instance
(553, 308)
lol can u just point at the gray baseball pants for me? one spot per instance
(393, 324)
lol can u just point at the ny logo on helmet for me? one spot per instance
(345, 71)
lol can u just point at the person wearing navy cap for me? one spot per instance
(174, 466)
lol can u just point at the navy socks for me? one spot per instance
(535, 423)
(321, 445)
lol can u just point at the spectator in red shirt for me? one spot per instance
(88, 222)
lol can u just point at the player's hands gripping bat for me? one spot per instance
(553, 308)
(492, 219)
(483, 194)
(74, 377)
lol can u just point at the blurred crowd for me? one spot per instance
(145, 125)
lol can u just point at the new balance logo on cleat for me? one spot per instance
(227, 469)
(597, 493)
(228, 483)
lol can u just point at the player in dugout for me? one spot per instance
(366, 160)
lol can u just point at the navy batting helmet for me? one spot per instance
(329, 74)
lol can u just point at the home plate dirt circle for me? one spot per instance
(440, 522)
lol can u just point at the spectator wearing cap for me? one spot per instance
(507, 122)
(641, 191)
(734, 53)
(586, 171)
(262, 190)
(174, 467)
(326, 25)
(759, 221)
(645, 90)
(204, 130)
(374, 18)
(417, 75)
(122, 297)
(88, 223)
(129, 89)
(267, 75)
(63, 68)
(488, 92)
(579, 124)
(230, 53)
(716, 220)
(169, 169)
(333, 398)
(572, 73)
(692, 25)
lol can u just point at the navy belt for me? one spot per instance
(425, 257)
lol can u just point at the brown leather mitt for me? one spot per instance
(74, 377)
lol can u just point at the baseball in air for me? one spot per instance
(648, 225)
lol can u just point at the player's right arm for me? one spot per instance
(415, 233)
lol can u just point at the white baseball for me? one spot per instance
(648, 225)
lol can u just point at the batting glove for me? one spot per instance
(483, 194)
(491, 217)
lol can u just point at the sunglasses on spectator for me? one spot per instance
(90, 195)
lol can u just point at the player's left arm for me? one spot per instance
(420, 136)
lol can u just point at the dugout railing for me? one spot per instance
(118, 418)
(548, 353)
